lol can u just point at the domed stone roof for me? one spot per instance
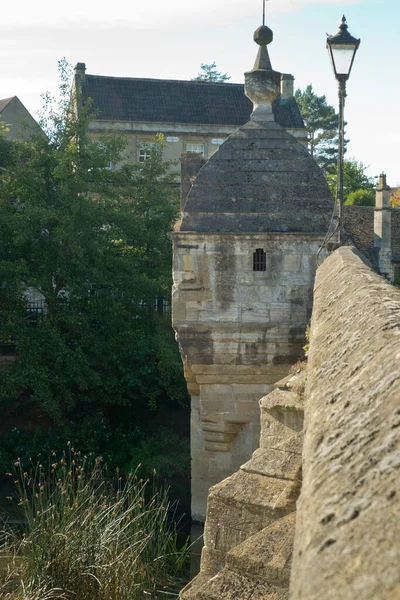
(260, 180)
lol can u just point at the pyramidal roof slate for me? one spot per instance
(173, 101)
(260, 180)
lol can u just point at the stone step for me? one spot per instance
(268, 554)
(239, 507)
(229, 585)
(282, 415)
(274, 463)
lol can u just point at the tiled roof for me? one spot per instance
(359, 224)
(169, 101)
(5, 102)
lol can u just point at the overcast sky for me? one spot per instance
(170, 38)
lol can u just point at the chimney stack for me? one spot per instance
(191, 163)
(382, 214)
(287, 86)
(80, 70)
(382, 228)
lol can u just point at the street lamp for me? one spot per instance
(342, 48)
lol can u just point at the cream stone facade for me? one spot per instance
(315, 513)
(21, 125)
(192, 116)
(239, 331)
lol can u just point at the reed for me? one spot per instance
(87, 538)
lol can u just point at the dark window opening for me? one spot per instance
(35, 312)
(163, 306)
(259, 260)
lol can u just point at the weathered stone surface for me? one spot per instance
(266, 555)
(347, 532)
(274, 463)
(229, 585)
(261, 179)
(239, 331)
(250, 517)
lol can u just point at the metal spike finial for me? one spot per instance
(343, 24)
(263, 17)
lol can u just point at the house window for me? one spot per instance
(195, 148)
(163, 306)
(35, 312)
(259, 260)
(145, 151)
(110, 164)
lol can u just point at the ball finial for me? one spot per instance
(263, 35)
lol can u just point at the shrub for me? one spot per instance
(361, 198)
(90, 539)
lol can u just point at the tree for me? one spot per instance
(395, 198)
(5, 146)
(93, 245)
(355, 179)
(321, 122)
(209, 74)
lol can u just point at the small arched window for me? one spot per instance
(259, 260)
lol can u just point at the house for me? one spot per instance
(193, 116)
(19, 121)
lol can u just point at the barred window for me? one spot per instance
(259, 260)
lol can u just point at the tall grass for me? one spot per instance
(88, 539)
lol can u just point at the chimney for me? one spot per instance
(382, 214)
(287, 86)
(80, 70)
(191, 163)
(382, 228)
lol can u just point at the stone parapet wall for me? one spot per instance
(348, 516)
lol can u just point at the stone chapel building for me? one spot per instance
(245, 254)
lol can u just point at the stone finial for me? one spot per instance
(262, 84)
(263, 36)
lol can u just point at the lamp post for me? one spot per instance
(342, 48)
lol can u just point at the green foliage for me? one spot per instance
(361, 198)
(395, 198)
(125, 446)
(94, 244)
(355, 178)
(164, 452)
(321, 122)
(209, 74)
(88, 538)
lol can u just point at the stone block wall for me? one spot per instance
(250, 522)
(347, 542)
(239, 330)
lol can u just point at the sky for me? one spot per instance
(170, 38)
